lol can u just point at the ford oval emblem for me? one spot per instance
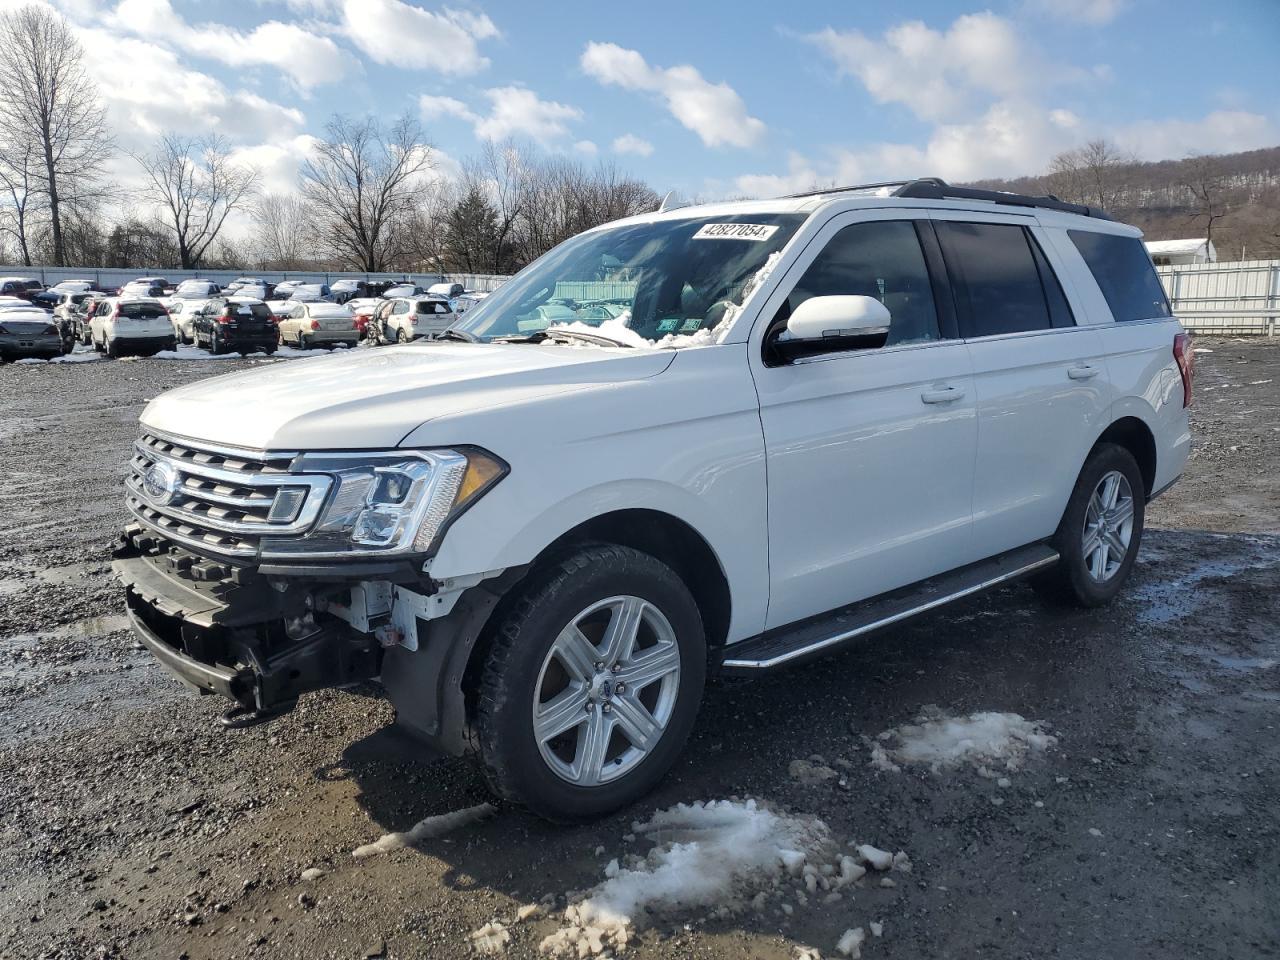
(161, 483)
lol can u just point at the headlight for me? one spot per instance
(393, 503)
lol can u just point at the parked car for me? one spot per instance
(67, 311)
(151, 288)
(446, 290)
(182, 314)
(29, 333)
(195, 290)
(284, 288)
(821, 415)
(131, 325)
(82, 316)
(310, 291)
(409, 318)
(465, 301)
(257, 290)
(402, 290)
(318, 323)
(24, 288)
(346, 290)
(235, 325)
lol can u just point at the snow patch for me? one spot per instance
(850, 943)
(78, 356)
(426, 829)
(719, 854)
(490, 939)
(944, 741)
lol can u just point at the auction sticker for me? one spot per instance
(735, 231)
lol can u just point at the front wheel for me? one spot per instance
(1100, 532)
(592, 684)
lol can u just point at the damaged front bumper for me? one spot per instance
(232, 632)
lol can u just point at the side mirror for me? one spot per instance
(827, 324)
(821, 318)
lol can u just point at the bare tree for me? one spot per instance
(1205, 178)
(1094, 175)
(18, 175)
(197, 185)
(49, 103)
(282, 238)
(361, 182)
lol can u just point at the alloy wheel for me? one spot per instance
(606, 691)
(1108, 526)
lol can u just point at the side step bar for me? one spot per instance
(823, 634)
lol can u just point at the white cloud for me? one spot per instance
(586, 148)
(407, 36)
(933, 74)
(1096, 12)
(713, 111)
(158, 93)
(433, 107)
(513, 112)
(278, 162)
(1223, 131)
(306, 57)
(630, 143)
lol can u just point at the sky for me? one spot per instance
(708, 99)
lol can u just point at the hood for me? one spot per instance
(373, 398)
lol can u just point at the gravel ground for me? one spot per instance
(132, 826)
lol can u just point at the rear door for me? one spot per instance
(1041, 380)
(869, 451)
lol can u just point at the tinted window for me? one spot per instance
(1124, 274)
(1059, 309)
(882, 260)
(995, 277)
(141, 311)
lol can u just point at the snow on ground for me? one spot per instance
(425, 829)
(490, 939)
(78, 355)
(982, 740)
(713, 859)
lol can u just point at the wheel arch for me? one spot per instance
(1136, 436)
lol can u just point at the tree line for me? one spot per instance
(1231, 199)
(370, 196)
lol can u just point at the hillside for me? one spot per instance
(1173, 199)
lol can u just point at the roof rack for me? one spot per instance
(932, 188)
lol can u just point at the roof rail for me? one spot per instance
(932, 188)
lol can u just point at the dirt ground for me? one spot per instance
(131, 825)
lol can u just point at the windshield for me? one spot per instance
(658, 282)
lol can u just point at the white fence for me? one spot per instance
(1226, 298)
(112, 278)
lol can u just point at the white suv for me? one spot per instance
(409, 318)
(813, 417)
(138, 325)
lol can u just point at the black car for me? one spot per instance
(232, 325)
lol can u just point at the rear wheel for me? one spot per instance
(112, 348)
(591, 685)
(401, 336)
(1100, 532)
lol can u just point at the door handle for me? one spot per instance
(945, 395)
(1084, 371)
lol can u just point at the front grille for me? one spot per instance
(219, 500)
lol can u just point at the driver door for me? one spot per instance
(869, 451)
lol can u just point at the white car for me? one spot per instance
(316, 323)
(446, 290)
(182, 314)
(194, 290)
(145, 287)
(72, 286)
(820, 415)
(409, 318)
(131, 325)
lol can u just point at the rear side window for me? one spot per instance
(996, 272)
(432, 306)
(1124, 274)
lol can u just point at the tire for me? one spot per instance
(216, 346)
(112, 349)
(1079, 579)
(303, 342)
(401, 336)
(269, 349)
(592, 587)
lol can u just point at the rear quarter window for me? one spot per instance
(1124, 274)
(142, 311)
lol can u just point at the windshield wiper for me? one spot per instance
(597, 338)
(460, 335)
(536, 337)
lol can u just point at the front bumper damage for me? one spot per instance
(263, 636)
(231, 631)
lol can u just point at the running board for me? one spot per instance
(827, 632)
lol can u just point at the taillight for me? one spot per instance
(224, 317)
(1185, 358)
(315, 324)
(414, 319)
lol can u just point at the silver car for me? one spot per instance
(29, 333)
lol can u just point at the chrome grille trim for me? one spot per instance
(223, 499)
